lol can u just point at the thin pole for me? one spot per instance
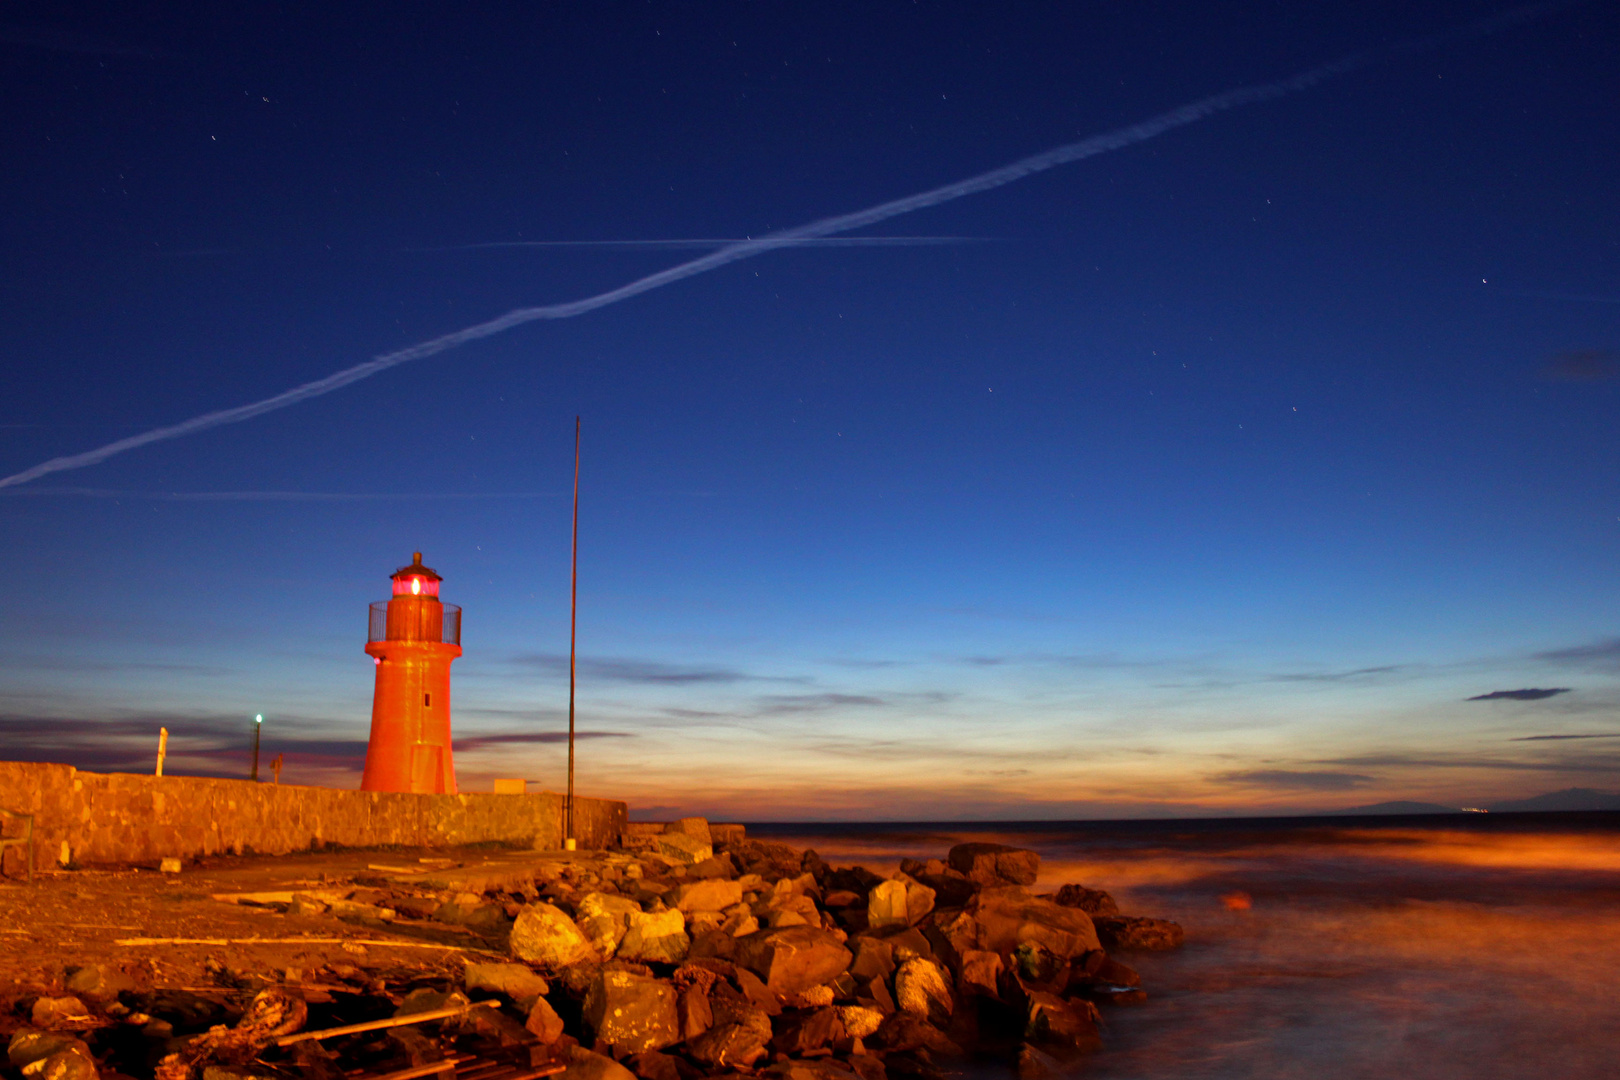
(256, 727)
(573, 624)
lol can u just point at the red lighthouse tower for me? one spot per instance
(413, 638)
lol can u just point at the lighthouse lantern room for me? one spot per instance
(413, 639)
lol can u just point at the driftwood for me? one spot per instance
(379, 1025)
(392, 943)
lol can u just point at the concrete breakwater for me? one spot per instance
(127, 818)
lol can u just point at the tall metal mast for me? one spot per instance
(573, 623)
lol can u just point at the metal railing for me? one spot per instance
(410, 618)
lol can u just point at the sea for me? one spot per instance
(1475, 946)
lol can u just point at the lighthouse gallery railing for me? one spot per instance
(415, 620)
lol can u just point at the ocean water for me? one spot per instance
(1467, 946)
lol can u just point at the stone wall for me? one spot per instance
(128, 818)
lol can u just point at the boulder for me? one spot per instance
(980, 975)
(695, 827)
(1052, 1020)
(793, 958)
(98, 982)
(908, 1031)
(814, 1069)
(27, 1047)
(1035, 1064)
(995, 864)
(56, 1012)
(656, 936)
(886, 904)
(688, 850)
(544, 1023)
(920, 987)
(632, 1013)
(859, 1021)
(491, 1023)
(651, 1065)
(805, 1031)
(1143, 935)
(1093, 902)
(713, 894)
(604, 918)
(1004, 918)
(584, 1064)
(874, 959)
(516, 982)
(426, 999)
(65, 1065)
(693, 1016)
(740, 1043)
(543, 934)
(950, 890)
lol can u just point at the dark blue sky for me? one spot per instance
(1215, 472)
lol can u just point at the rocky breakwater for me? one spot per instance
(713, 955)
(691, 955)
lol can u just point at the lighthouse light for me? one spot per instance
(416, 585)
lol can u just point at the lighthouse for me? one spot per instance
(413, 638)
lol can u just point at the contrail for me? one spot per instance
(273, 496)
(1104, 143)
(705, 243)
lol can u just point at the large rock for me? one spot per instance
(515, 982)
(1093, 902)
(794, 958)
(632, 1013)
(1051, 1020)
(714, 894)
(96, 981)
(583, 1064)
(898, 902)
(995, 864)
(544, 1023)
(920, 988)
(813, 1069)
(981, 974)
(56, 1012)
(27, 1047)
(1146, 935)
(545, 935)
(683, 848)
(802, 1032)
(1001, 919)
(656, 937)
(740, 1043)
(886, 905)
(604, 918)
(859, 1021)
(693, 1014)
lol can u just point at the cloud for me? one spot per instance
(631, 670)
(1599, 656)
(1291, 780)
(479, 742)
(1584, 365)
(199, 745)
(1604, 763)
(1550, 738)
(780, 704)
(1528, 694)
(1343, 676)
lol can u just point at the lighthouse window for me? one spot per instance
(427, 699)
